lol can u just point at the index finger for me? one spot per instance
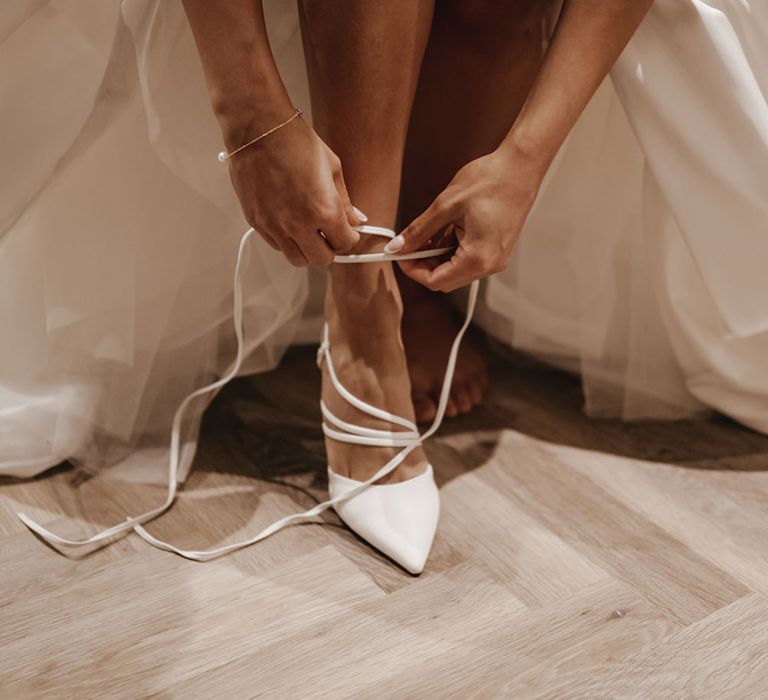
(438, 215)
(458, 271)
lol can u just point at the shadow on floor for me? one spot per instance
(264, 430)
(275, 419)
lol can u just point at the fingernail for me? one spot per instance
(359, 214)
(395, 244)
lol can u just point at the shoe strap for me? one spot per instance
(360, 435)
(324, 353)
(385, 257)
(347, 430)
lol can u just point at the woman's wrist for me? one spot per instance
(245, 121)
(532, 150)
(249, 106)
(528, 159)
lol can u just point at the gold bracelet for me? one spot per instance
(224, 156)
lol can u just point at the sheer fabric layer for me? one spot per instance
(118, 240)
(640, 267)
(643, 263)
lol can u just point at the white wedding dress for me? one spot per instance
(642, 265)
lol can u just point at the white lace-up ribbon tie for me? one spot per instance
(336, 429)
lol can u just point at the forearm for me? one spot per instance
(589, 37)
(245, 89)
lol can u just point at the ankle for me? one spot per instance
(364, 305)
(364, 297)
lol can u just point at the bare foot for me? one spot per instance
(429, 329)
(364, 313)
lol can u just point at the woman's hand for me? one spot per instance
(292, 191)
(482, 209)
(289, 184)
(489, 199)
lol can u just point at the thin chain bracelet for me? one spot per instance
(224, 156)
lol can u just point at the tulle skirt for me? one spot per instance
(643, 263)
(642, 266)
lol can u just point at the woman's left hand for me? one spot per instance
(484, 206)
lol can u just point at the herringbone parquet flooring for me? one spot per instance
(575, 558)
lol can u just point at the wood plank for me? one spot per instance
(528, 654)
(717, 513)
(146, 623)
(627, 545)
(360, 652)
(722, 656)
(495, 533)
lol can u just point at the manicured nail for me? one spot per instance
(359, 214)
(395, 244)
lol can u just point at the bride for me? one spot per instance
(638, 204)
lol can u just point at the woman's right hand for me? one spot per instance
(291, 189)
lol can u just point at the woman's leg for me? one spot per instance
(480, 62)
(363, 59)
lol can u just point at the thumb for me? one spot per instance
(438, 215)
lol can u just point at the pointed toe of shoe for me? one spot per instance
(399, 519)
(412, 559)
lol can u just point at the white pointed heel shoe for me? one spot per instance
(399, 519)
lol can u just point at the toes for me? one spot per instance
(476, 391)
(466, 396)
(451, 409)
(463, 399)
(424, 408)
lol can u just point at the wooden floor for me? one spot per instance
(575, 558)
